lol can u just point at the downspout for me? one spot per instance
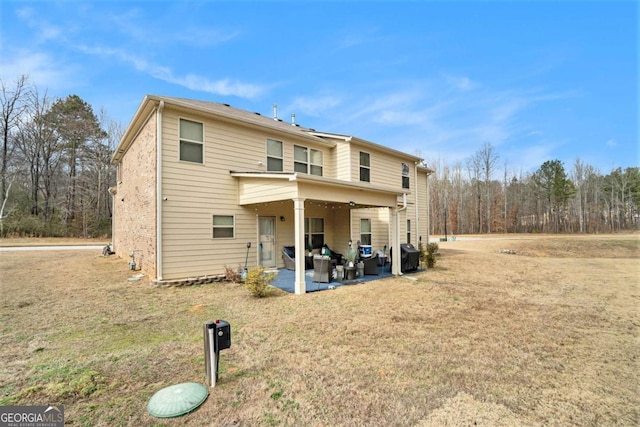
(159, 192)
(404, 203)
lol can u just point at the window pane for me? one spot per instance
(317, 240)
(365, 239)
(365, 226)
(316, 170)
(274, 148)
(306, 225)
(274, 164)
(299, 153)
(223, 220)
(405, 182)
(317, 225)
(315, 157)
(191, 152)
(364, 174)
(300, 167)
(190, 130)
(364, 159)
(222, 232)
(405, 169)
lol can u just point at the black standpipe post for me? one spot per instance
(217, 336)
(211, 353)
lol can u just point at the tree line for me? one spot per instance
(55, 168)
(55, 173)
(480, 195)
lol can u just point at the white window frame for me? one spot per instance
(363, 234)
(268, 156)
(190, 141)
(309, 233)
(367, 167)
(224, 226)
(310, 167)
(406, 173)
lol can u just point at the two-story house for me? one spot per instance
(198, 181)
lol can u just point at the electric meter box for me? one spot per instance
(223, 334)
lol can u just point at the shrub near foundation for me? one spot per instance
(258, 281)
(430, 257)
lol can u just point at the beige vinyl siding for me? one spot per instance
(197, 192)
(257, 191)
(380, 226)
(342, 158)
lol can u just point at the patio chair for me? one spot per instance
(322, 269)
(371, 265)
(335, 256)
(288, 256)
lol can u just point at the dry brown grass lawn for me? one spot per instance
(544, 335)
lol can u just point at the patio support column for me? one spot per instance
(395, 242)
(298, 216)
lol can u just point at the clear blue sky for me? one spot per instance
(539, 80)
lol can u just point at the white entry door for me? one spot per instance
(266, 249)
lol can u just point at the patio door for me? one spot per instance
(267, 250)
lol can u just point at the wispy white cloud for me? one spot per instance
(44, 30)
(224, 87)
(203, 37)
(43, 69)
(611, 143)
(461, 83)
(447, 117)
(314, 105)
(136, 27)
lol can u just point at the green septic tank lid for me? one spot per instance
(177, 400)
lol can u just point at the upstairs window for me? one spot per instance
(315, 162)
(365, 167)
(223, 226)
(191, 141)
(275, 160)
(405, 175)
(365, 231)
(307, 160)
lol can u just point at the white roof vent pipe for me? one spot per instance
(293, 119)
(275, 111)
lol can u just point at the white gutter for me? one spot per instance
(159, 192)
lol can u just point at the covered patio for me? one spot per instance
(285, 280)
(260, 190)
